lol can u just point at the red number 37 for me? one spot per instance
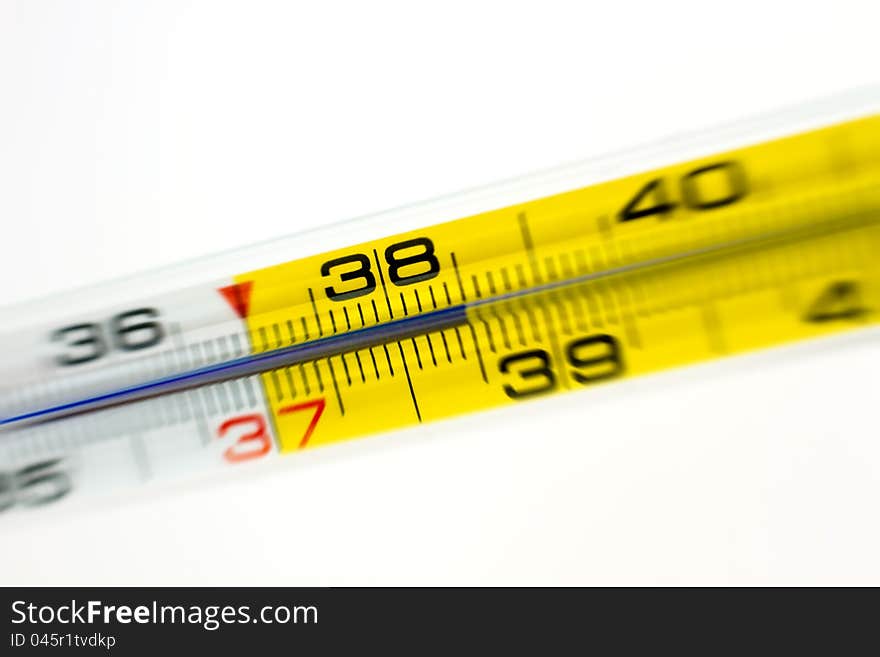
(254, 440)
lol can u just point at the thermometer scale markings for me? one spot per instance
(395, 330)
(742, 250)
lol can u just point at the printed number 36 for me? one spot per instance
(128, 331)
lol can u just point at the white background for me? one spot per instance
(136, 134)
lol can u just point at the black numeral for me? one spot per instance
(653, 199)
(650, 200)
(528, 365)
(136, 329)
(592, 358)
(409, 262)
(84, 342)
(840, 300)
(696, 199)
(41, 483)
(395, 264)
(129, 331)
(595, 358)
(362, 272)
(35, 485)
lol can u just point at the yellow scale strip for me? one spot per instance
(641, 321)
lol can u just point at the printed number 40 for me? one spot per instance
(698, 193)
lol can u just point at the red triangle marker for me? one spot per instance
(238, 296)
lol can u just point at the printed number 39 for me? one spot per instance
(592, 358)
